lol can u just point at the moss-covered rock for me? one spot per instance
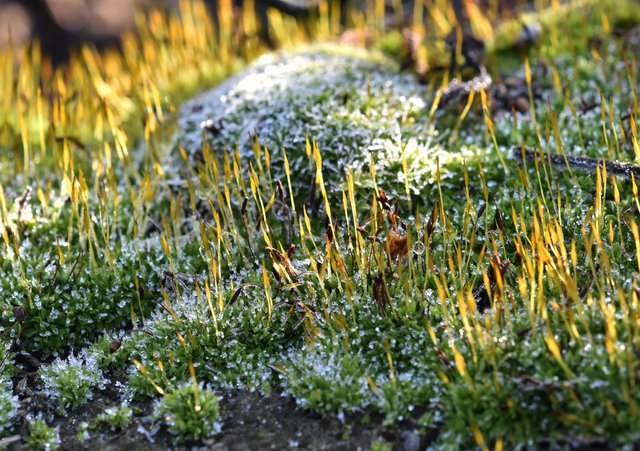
(353, 102)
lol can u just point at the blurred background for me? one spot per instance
(62, 25)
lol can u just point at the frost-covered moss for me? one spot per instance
(71, 382)
(68, 289)
(188, 260)
(190, 413)
(231, 353)
(434, 357)
(8, 407)
(354, 103)
(114, 418)
(42, 437)
(329, 381)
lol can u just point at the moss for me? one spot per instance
(232, 352)
(8, 407)
(381, 445)
(329, 381)
(362, 111)
(70, 383)
(42, 436)
(114, 418)
(70, 304)
(190, 413)
(461, 289)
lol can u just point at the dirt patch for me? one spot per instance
(251, 421)
(254, 421)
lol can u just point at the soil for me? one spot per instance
(250, 421)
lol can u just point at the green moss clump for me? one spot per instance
(328, 382)
(190, 414)
(71, 382)
(42, 437)
(114, 418)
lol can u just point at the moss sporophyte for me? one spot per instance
(449, 251)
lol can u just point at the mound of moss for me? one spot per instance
(354, 103)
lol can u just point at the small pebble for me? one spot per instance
(521, 105)
(410, 441)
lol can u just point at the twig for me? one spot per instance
(614, 167)
(5, 442)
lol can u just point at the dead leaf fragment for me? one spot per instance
(397, 245)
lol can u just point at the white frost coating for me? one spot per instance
(267, 87)
(354, 103)
(8, 407)
(69, 381)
